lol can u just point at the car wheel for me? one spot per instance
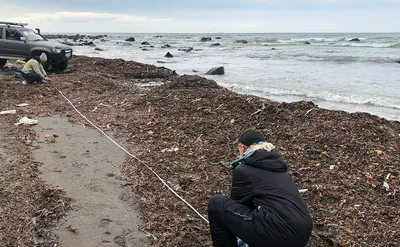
(61, 66)
(3, 62)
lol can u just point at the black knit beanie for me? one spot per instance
(250, 137)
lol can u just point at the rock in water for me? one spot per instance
(216, 71)
(204, 39)
(166, 46)
(145, 43)
(307, 43)
(168, 55)
(186, 49)
(130, 39)
(216, 44)
(218, 38)
(355, 40)
(273, 49)
(98, 49)
(67, 43)
(242, 41)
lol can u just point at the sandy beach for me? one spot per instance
(186, 128)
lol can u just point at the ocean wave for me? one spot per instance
(321, 96)
(395, 46)
(323, 58)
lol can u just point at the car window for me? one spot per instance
(13, 34)
(1, 32)
(31, 35)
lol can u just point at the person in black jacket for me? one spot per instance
(265, 208)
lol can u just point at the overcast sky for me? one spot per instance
(205, 16)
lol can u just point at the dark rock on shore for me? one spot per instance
(161, 62)
(216, 71)
(98, 49)
(216, 44)
(355, 40)
(168, 55)
(145, 43)
(307, 43)
(130, 39)
(86, 43)
(73, 37)
(67, 43)
(166, 46)
(205, 39)
(242, 41)
(186, 49)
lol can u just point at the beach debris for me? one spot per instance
(8, 112)
(216, 71)
(169, 150)
(26, 121)
(46, 136)
(73, 230)
(22, 105)
(332, 167)
(386, 186)
(177, 187)
(303, 190)
(333, 212)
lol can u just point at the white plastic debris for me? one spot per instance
(388, 176)
(232, 121)
(169, 150)
(303, 190)
(332, 167)
(386, 186)
(27, 121)
(8, 112)
(22, 105)
(177, 187)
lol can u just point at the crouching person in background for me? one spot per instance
(265, 208)
(33, 71)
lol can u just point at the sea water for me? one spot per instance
(332, 71)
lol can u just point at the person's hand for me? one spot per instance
(47, 78)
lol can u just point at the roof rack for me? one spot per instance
(13, 23)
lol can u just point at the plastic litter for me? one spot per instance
(26, 121)
(303, 190)
(22, 105)
(386, 186)
(8, 112)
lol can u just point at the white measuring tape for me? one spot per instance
(127, 152)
